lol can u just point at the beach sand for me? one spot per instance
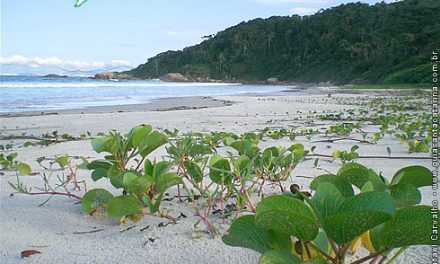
(59, 229)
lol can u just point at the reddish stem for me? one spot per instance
(251, 205)
(56, 193)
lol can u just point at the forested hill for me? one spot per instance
(359, 43)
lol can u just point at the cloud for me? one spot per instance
(303, 11)
(186, 33)
(57, 62)
(14, 59)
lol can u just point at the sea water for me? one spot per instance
(35, 93)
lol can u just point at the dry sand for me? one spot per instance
(55, 228)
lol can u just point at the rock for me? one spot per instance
(272, 80)
(55, 76)
(173, 77)
(114, 75)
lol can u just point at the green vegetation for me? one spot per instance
(8, 160)
(352, 43)
(324, 228)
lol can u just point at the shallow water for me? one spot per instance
(32, 93)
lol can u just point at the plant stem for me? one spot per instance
(309, 255)
(222, 207)
(345, 138)
(331, 259)
(382, 260)
(55, 193)
(373, 255)
(344, 250)
(251, 205)
(73, 176)
(139, 164)
(397, 254)
(261, 187)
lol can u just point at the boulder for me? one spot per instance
(173, 77)
(114, 75)
(272, 80)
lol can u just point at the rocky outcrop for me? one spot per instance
(272, 80)
(114, 75)
(173, 77)
(55, 76)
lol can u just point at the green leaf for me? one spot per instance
(99, 164)
(341, 184)
(140, 185)
(328, 199)
(94, 199)
(153, 204)
(161, 168)
(148, 167)
(269, 154)
(245, 147)
(193, 170)
(116, 179)
(410, 226)
(199, 150)
(296, 146)
(418, 176)
(354, 173)
(101, 144)
(287, 215)
(23, 168)
(63, 161)
(278, 257)
(368, 187)
(376, 181)
(298, 155)
(11, 156)
(128, 177)
(322, 242)
(242, 166)
(278, 241)
(151, 142)
(166, 181)
(228, 141)
(123, 205)
(214, 159)
(219, 168)
(99, 173)
(244, 233)
(358, 214)
(138, 133)
(405, 194)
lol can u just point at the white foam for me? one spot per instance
(96, 84)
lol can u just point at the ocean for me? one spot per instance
(34, 93)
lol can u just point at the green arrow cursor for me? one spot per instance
(79, 2)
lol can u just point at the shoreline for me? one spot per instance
(162, 104)
(200, 102)
(159, 104)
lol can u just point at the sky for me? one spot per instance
(104, 33)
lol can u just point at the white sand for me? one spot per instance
(50, 228)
